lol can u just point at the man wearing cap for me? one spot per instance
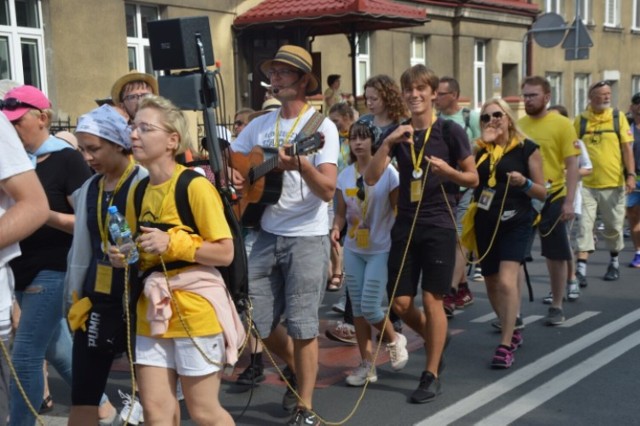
(633, 199)
(289, 261)
(128, 89)
(613, 175)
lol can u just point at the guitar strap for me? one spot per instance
(311, 126)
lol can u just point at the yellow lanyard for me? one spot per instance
(276, 137)
(495, 153)
(102, 224)
(417, 171)
(344, 152)
(170, 190)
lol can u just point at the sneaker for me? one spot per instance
(449, 304)
(251, 376)
(289, 399)
(463, 297)
(613, 273)
(398, 352)
(303, 417)
(397, 326)
(548, 299)
(516, 340)
(428, 389)
(477, 274)
(555, 316)
(503, 358)
(360, 375)
(635, 263)
(134, 408)
(519, 324)
(582, 280)
(342, 332)
(573, 290)
(626, 233)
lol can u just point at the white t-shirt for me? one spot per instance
(584, 162)
(379, 217)
(298, 212)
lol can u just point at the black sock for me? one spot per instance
(256, 359)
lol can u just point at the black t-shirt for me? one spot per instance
(46, 249)
(433, 209)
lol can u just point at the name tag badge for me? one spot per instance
(486, 198)
(352, 192)
(104, 275)
(362, 238)
(416, 190)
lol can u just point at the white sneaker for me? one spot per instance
(360, 375)
(477, 274)
(573, 290)
(137, 415)
(398, 352)
(548, 299)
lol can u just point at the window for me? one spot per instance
(479, 75)
(585, 11)
(635, 84)
(612, 13)
(581, 91)
(555, 79)
(138, 49)
(364, 61)
(22, 42)
(556, 6)
(635, 22)
(418, 50)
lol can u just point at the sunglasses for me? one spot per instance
(11, 104)
(360, 185)
(485, 118)
(599, 85)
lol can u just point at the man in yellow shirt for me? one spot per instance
(558, 145)
(613, 176)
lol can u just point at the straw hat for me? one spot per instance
(298, 58)
(130, 77)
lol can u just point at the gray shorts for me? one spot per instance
(463, 206)
(287, 277)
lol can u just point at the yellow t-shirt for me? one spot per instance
(603, 147)
(158, 205)
(557, 140)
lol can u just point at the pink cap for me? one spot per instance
(21, 99)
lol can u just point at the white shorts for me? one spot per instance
(180, 354)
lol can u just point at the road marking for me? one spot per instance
(500, 387)
(485, 318)
(564, 381)
(531, 319)
(579, 318)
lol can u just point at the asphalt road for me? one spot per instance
(583, 372)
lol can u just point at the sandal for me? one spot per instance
(335, 283)
(47, 405)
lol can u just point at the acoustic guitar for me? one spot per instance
(262, 178)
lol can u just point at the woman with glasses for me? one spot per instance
(105, 144)
(510, 171)
(368, 213)
(40, 270)
(183, 317)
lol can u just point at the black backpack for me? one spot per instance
(236, 275)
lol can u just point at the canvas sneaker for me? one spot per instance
(635, 263)
(365, 371)
(503, 358)
(428, 389)
(302, 417)
(252, 375)
(463, 297)
(518, 326)
(131, 411)
(398, 352)
(573, 290)
(612, 274)
(477, 274)
(342, 332)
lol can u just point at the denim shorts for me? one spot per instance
(181, 354)
(287, 277)
(633, 199)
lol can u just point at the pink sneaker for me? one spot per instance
(463, 297)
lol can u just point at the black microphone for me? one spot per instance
(276, 90)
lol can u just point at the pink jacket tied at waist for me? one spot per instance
(204, 281)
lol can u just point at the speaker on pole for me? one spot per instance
(172, 43)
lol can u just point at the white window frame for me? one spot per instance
(555, 6)
(585, 12)
(555, 80)
(635, 84)
(581, 83)
(479, 73)
(635, 21)
(418, 52)
(363, 58)
(612, 13)
(15, 36)
(139, 43)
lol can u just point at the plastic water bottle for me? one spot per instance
(121, 234)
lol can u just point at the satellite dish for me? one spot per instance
(548, 29)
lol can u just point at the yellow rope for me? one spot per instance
(128, 328)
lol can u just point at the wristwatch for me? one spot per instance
(631, 175)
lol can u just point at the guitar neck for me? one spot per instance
(262, 169)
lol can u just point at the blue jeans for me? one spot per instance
(366, 278)
(42, 333)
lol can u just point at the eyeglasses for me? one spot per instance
(143, 127)
(135, 96)
(11, 104)
(284, 72)
(485, 118)
(360, 185)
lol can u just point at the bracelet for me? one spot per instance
(633, 175)
(527, 186)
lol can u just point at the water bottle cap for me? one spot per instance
(112, 209)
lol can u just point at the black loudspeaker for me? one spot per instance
(173, 43)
